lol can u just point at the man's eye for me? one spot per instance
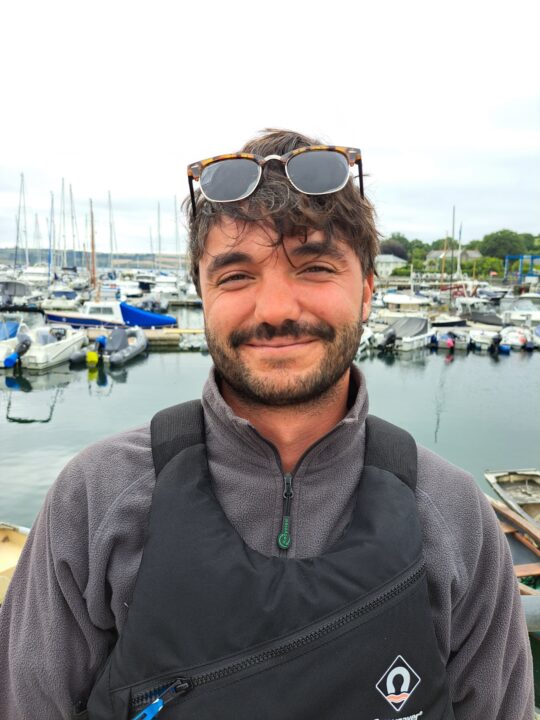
(232, 278)
(318, 269)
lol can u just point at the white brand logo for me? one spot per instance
(398, 683)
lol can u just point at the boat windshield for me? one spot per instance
(100, 310)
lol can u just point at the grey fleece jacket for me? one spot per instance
(71, 592)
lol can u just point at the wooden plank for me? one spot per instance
(527, 569)
(507, 528)
(515, 519)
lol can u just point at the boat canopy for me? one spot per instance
(135, 316)
(410, 326)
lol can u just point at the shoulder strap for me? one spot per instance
(175, 428)
(388, 447)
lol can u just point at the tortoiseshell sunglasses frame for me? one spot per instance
(194, 170)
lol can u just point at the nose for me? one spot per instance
(276, 300)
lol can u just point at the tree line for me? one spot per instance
(493, 247)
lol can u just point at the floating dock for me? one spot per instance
(158, 338)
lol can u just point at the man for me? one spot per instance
(300, 559)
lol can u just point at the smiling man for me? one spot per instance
(272, 551)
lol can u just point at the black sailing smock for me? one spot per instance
(218, 631)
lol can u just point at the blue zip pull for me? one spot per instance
(179, 687)
(151, 711)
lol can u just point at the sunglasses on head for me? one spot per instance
(312, 170)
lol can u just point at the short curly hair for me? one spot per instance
(276, 203)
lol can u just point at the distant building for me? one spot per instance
(435, 257)
(386, 264)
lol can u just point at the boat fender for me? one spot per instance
(505, 349)
(92, 358)
(11, 360)
(101, 341)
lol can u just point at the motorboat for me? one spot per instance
(18, 295)
(12, 540)
(398, 305)
(478, 310)
(482, 339)
(43, 347)
(118, 347)
(524, 311)
(61, 297)
(518, 338)
(405, 334)
(447, 339)
(110, 314)
(38, 275)
(520, 490)
(448, 320)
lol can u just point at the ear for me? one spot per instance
(367, 292)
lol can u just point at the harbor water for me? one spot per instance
(477, 412)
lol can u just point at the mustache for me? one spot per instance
(288, 328)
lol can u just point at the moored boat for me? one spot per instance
(117, 348)
(520, 490)
(523, 538)
(110, 314)
(43, 347)
(405, 335)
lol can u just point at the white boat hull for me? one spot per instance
(42, 355)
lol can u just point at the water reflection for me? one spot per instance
(46, 391)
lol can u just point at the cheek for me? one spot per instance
(225, 312)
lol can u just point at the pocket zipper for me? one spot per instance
(153, 700)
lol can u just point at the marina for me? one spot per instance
(477, 411)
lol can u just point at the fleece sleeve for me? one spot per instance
(70, 592)
(478, 616)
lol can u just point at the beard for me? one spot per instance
(340, 346)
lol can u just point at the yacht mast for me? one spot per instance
(51, 240)
(159, 235)
(152, 247)
(111, 232)
(37, 237)
(458, 271)
(63, 225)
(93, 248)
(452, 253)
(21, 215)
(74, 228)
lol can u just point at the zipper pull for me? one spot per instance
(179, 687)
(284, 537)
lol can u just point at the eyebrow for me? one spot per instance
(314, 247)
(228, 258)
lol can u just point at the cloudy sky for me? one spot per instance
(442, 98)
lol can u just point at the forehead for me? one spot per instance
(258, 242)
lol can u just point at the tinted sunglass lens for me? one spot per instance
(318, 171)
(228, 180)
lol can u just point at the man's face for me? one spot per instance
(282, 323)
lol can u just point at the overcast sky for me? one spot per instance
(442, 98)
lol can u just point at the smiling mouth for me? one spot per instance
(293, 342)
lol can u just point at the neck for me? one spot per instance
(293, 429)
